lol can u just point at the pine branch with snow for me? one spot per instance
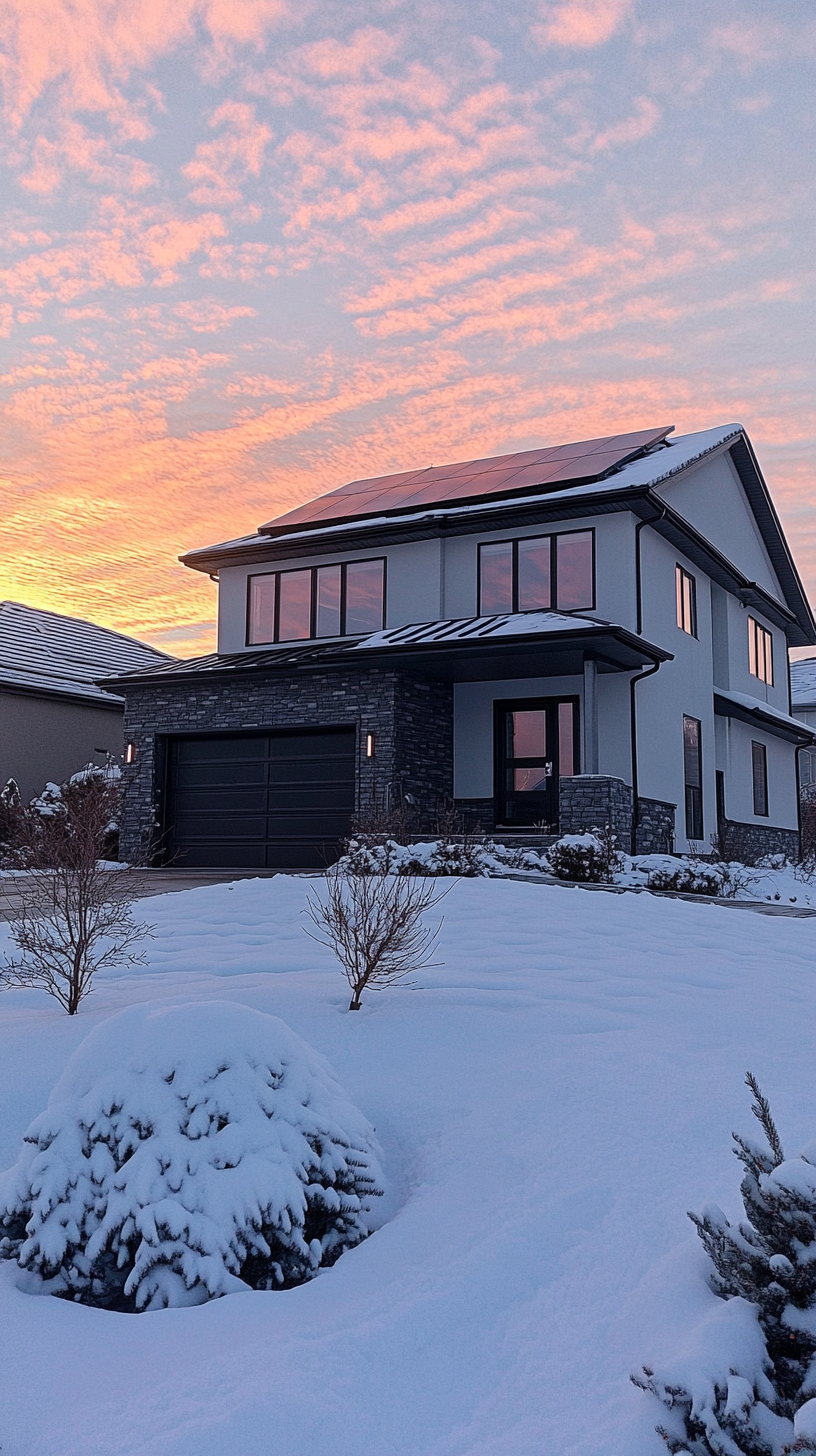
(731, 1403)
(188, 1152)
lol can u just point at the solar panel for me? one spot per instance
(469, 480)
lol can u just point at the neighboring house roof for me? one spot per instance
(803, 683)
(519, 635)
(50, 655)
(552, 484)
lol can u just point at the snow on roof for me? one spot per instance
(43, 651)
(476, 629)
(659, 465)
(803, 683)
(762, 709)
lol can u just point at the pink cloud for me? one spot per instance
(581, 24)
(219, 167)
(640, 124)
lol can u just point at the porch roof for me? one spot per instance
(750, 710)
(521, 644)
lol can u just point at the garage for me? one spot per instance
(275, 800)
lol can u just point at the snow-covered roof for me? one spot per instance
(659, 465)
(763, 712)
(45, 652)
(477, 629)
(803, 683)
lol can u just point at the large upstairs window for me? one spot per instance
(760, 652)
(342, 600)
(538, 573)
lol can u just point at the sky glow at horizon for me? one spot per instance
(254, 249)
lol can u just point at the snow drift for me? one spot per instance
(188, 1151)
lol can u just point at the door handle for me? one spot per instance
(548, 769)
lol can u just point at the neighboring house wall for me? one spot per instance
(47, 739)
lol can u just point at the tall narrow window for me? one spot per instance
(262, 591)
(760, 652)
(327, 604)
(574, 571)
(759, 771)
(496, 577)
(693, 775)
(566, 740)
(686, 588)
(534, 573)
(364, 596)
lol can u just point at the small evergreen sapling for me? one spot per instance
(768, 1264)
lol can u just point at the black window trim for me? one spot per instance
(682, 575)
(763, 758)
(693, 788)
(754, 622)
(552, 537)
(287, 571)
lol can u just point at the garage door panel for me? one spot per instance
(195, 775)
(277, 801)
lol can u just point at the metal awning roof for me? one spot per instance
(470, 649)
(761, 715)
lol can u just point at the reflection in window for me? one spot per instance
(364, 596)
(528, 734)
(760, 652)
(534, 574)
(327, 606)
(759, 773)
(693, 775)
(566, 739)
(537, 573)
(317, 601)
(574, 570)
(496, 572)
(530, 780)
(262, 609)
(294, 605)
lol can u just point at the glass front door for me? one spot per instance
(537, 743)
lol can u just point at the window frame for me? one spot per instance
(758, 634)
(276, 640)
(513, 541)
(691, 812)
(681, 576)
(759, 755)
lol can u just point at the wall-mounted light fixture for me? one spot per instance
(130, 753)
(369, 745)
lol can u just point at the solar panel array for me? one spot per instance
(470, 480)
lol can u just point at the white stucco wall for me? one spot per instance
(711, 497)
(735, 740)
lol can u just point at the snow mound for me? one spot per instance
(186, 1152)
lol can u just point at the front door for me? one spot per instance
(537, 743)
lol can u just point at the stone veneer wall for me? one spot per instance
(655, 827)
(755, 840)
(590, 801)
(411, 719)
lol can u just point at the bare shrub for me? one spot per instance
(74, 915)
(373, 924)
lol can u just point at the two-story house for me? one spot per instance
(553, 639)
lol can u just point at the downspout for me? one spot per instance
(650, 671)
(633, 681)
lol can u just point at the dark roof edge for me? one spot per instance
(237, 665)
(725, 707)
(57, 695)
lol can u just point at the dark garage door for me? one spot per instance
(270, 801)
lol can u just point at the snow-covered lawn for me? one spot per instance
(549, 1103)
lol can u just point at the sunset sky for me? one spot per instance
(255, 248)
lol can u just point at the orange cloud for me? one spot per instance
(582, 24)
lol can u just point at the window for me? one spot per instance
(693, 775)
(316, 601)
(759, 772)
(686, 588)
(538, 573)
(760, 652)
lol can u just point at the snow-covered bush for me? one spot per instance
(187, 1152)
(690, 877)
(464, 857)
(747, 1392)
(590, 858)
